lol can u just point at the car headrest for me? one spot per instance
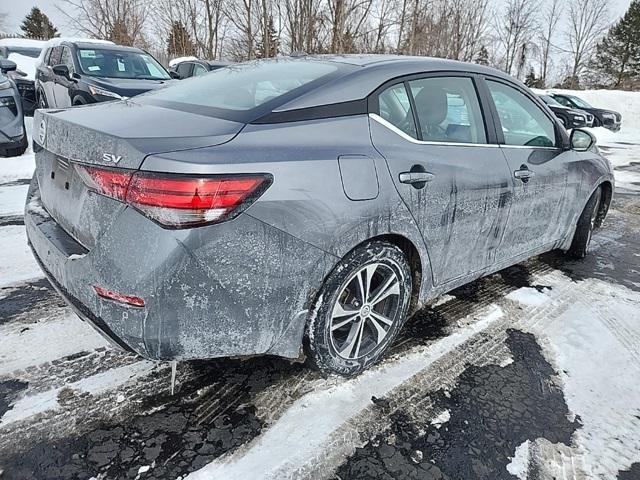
(432, 106)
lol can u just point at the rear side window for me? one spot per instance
(199, 70)
(523, 122)
(243, 87)
(395, 108)
(448, 110)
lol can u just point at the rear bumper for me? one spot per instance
(234, 289)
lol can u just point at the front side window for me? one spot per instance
(199, 70)
(54, 56)
(67, 60)
(101, 62)
(523, 122)
(448, 110)
(395, 108)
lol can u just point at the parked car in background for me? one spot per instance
(78, 72)
(602, 117)
(194, 68)
(570, 117)
(24, 52)
(329, 198)
(13, 135)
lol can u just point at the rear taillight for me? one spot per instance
(178, 201)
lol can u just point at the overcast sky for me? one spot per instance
(17, 9)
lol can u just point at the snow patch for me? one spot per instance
(16, 261)
(519, 466)
(528, 296)
(173, 62)
(12, 199)
(25, 64)
(441, 419)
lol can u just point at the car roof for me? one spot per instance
(104, 46)
(371, 71)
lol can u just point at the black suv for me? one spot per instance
(570, 117)
(603, 118)
(193, 68)
(77, 73)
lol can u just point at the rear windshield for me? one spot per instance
(100, 62)
(243, 87)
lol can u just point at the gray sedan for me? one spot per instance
(302, 206)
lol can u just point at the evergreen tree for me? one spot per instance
(618, 54)
(179, 43)
(37, 25)
(532, 81)
(483, 56)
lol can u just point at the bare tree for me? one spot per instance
(119, 20)
(551, 17)
(515, 30)
(588, 22)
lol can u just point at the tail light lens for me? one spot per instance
(178, 201)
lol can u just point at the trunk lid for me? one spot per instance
(113, 135)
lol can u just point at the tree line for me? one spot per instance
(543, 42)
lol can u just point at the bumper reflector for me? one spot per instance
(119, 297)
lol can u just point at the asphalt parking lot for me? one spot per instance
(533, 372)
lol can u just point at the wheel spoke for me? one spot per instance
(390, 287)
(361, 288)
(379, 329)
(370, 272)
(344, 322)
(352, 338)
(381, 318)
(340, 311)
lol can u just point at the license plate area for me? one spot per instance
(61, 173)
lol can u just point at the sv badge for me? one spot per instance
(111, 158)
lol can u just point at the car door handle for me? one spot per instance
(524, 174)
(413, 178)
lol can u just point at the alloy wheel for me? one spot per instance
(365, 311)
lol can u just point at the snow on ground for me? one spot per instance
(16, 261)
(306, 426)
(18, 168)
(54, 339)
(12, 200)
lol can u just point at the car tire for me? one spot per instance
(12, 152)
(359, 310)
(586, 224)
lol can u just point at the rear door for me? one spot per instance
(446, 167)
(539, 166)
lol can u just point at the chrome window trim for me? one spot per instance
(396, 130)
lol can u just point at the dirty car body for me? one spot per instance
(334, 159)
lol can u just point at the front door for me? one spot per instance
(539, 167)
(62, 86)
(453, 180)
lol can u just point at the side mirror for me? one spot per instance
(7, 66)
(62, 70)
(581, 140)
(175, 75)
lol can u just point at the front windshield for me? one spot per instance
(580, 103)
(26, 51)
(100, 62)
(551, 101)
(243, 87)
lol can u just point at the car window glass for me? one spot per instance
(54, 57)
(523, 122)
(199, 70)
(184, 69)
(395, 108)
(67, 60)
(563, 101)
(245, 86)
(103, 62)
(448, 110)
